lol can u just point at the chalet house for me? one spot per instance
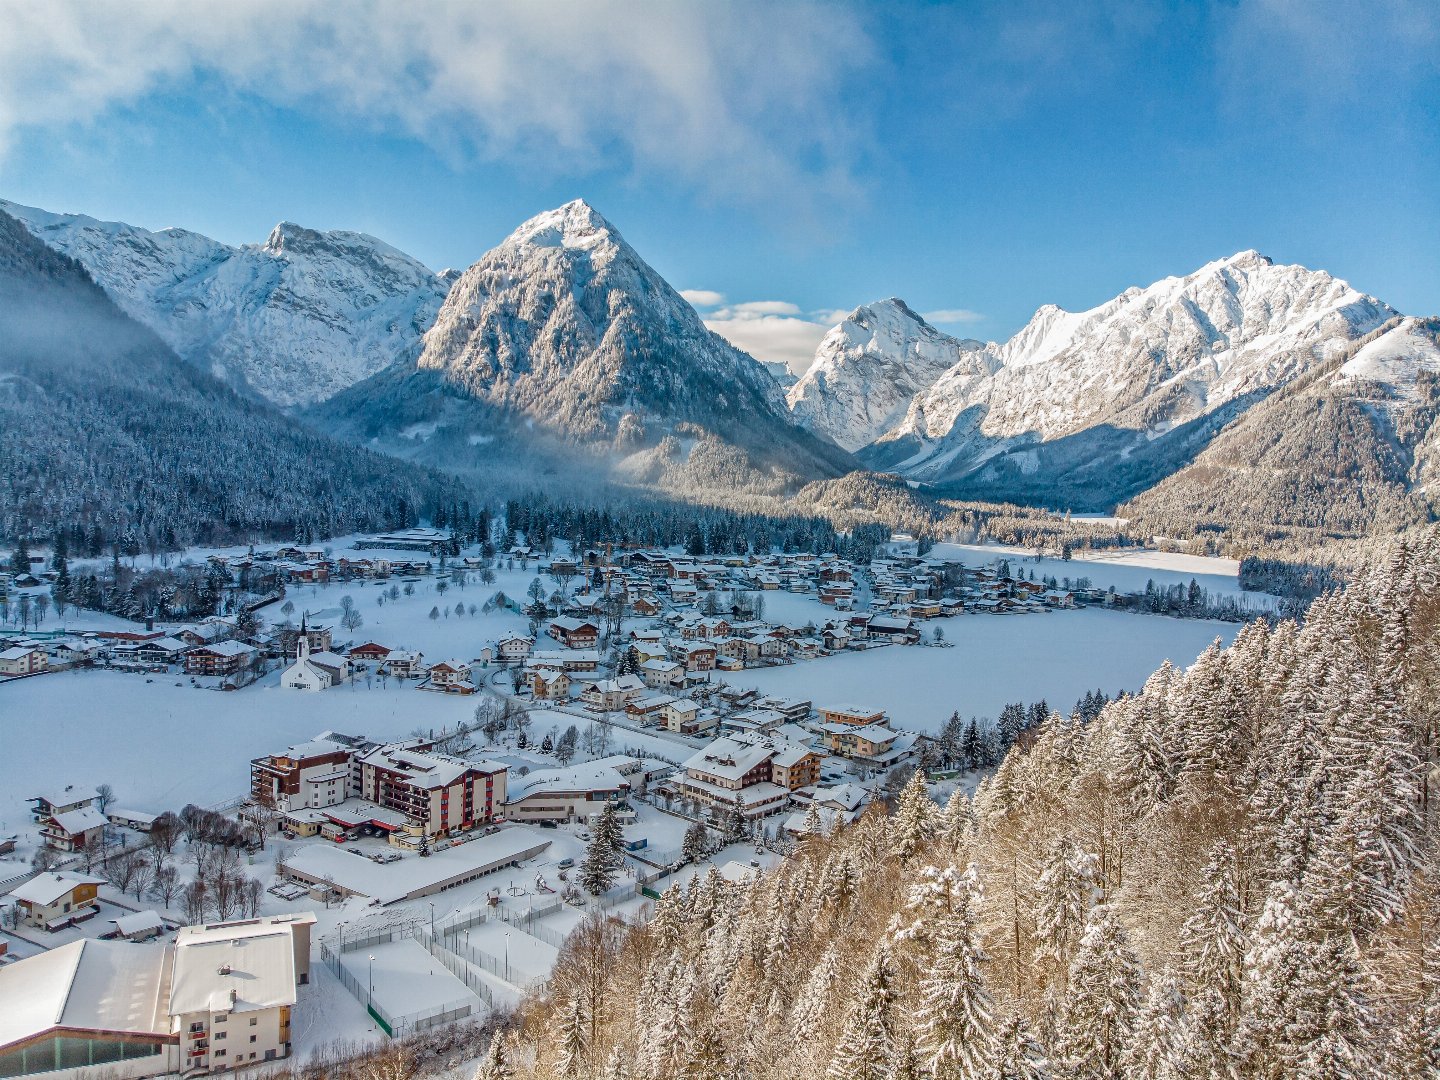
(868, 741)
(900, 629)
(513, 648)
(222, 658)
(370, 653)
(165, 650)
(451, 676)
(695, 656)
(757, 772)
(23, 660)
(609, 695)
(575, 633)
(547, 684)
(648, 707)
(54, 900)
(645, 606)
(836, 638)
(207, 631)
(404, 665)
(687, 718)
(68, 819)
(662, 674)
(569, 662)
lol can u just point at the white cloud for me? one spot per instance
(703, 298)
(757, 308)
(953, 316)
(774, 330)
(741, 100)
(777, 338)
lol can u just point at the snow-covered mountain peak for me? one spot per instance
(867, 369)
(297, 318)
(577, 224)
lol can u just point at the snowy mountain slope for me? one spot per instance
(565, 328)
(870, 367)
(1096, 404)
(1350, 449)
(296, 319)
(108, 430)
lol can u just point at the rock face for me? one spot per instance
(295, 319)
(1101, 402)
(563, 323)
(870, 367)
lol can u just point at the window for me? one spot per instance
(252, 1039)
(254, 1020)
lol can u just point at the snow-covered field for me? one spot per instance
(1057, 655)
(1126, 570)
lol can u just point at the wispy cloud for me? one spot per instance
(953, 317)
(773, 330)
(703, 298)
(742, 101)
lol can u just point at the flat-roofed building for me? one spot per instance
(232, 989)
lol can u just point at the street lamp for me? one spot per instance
(432, 922)
(371, 1002)
(507, 955)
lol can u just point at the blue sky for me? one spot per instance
(782, 162)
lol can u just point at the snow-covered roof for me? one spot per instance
(254, 961)
(46, 889)
(89, 985)
(138, 922)
(75, 822)
(227, 648)
(69, 797)
(592, 776)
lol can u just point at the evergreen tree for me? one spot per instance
(867, 1042)
(574, 1039)
(493, 1065)
(914, 819)
(1098, 1010)
(954, 1018)
(603, 855)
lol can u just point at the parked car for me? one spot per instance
(565, 864)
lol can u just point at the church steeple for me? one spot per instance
(303, 645)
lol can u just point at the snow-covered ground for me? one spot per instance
(1057, 655)
(1127, 570)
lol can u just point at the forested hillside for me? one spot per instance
(105, 429)
(1232, 873)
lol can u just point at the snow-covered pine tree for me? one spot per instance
(602, 857)
(914, 819)
(1098, 1009)
(1018, 1056)
(1064, 892)
(954, 1018)
(573, 1040)
(493, 1065)
(867, 1041)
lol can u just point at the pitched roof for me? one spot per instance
(46, 889)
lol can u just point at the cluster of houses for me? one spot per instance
(204, 648)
